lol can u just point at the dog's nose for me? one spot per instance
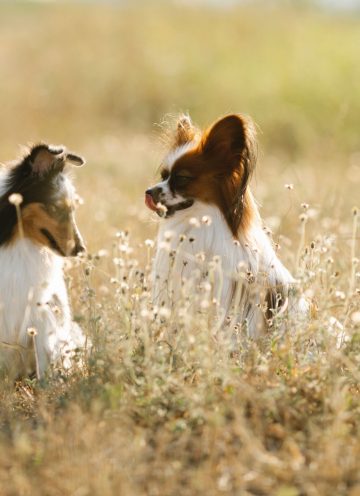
(78, 248)
(154, 192)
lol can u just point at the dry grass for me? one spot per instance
(163, 409)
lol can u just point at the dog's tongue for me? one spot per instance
(149, 202)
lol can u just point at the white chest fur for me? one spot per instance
(33, 294)
(199, 237)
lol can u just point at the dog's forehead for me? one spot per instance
(173, 156)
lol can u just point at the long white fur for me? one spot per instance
(33, 295)
(202, 229)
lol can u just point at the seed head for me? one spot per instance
(32, 331)
(149, 243)
(16, 199)
(207, 220)
(194, 222)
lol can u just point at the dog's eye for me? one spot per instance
(182, 180)
(60, 212)
(164, 174)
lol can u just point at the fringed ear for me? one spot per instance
(231, 144)
(76, 160)
(45, 158)
(229, 148)
(185, 130)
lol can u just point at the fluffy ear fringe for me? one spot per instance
(231, 145)
(44, 158)
(232, 140)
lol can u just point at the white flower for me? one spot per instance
(16, 199)
(206, 219)
(168, 235)
(32, 331)
(194, 222)
(355, 317)
(149, 243)
(164, 312)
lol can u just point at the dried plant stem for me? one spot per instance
(353, 252)
(33, 333)
(301, 243)
(19, 218)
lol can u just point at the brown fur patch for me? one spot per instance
(221, 167)
(35, 218)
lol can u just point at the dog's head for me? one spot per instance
(213, 167)
(42, 193)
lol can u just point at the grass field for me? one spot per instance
(156, 412)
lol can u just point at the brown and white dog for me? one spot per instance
(37, 229)
(208, 210)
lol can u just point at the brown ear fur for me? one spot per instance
(230, 145)
(43, 159)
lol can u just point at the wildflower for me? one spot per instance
(194, 222)
(164, 312)
(305, 206)
(200, 257)
(205, 286)
(303, 217)
(32, 331)
(16, 199)
(149, 243)
(340, 295)
(168, 235)
(289, 186)
(204, 304)
(207, 220)
(124, 286)
(118, 261)
(164, 245)
(355, 317)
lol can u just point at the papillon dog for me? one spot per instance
(37, 229)
(211, 222)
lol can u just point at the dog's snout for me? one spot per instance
(78, 248)
(154, 192)
(79, 245)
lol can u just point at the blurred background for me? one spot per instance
(103, 77)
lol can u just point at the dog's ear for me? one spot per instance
(185, 130)
(230, 144)
(45, 158)
(74, 159)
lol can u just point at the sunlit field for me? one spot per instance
(161, 407)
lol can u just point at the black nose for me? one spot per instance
(78, 248)
(154, 192)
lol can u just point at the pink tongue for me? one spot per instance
(149, 202)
